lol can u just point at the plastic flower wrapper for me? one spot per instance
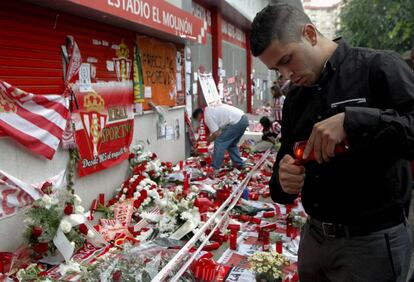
(297, 220)
(245, 207)
(140, 263)
(160, 111)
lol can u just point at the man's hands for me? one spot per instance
(291, 176)
(213, 136)
(325, 135)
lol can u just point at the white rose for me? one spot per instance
(70, 267)
(91, 234)
(28, 220)
(55, 201)
(136, 195)
(122, 198)
(65, 226)
(163, 203)
(125, 190)
(47, 201)
(77, 200)
(152, 193)
(79, 210)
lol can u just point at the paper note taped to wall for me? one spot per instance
(148, 92)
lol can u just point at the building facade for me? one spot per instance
(325, 15)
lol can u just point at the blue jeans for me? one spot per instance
(230, 136)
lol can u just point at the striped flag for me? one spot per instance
(35, 121)
(15, 194)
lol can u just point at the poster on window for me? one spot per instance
(159, 70)
(104, 125)
(209, 89)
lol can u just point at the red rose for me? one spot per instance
(111, 202)
(137, 203)
(154, 156)
(117, 276)
(37, 231)
(140, 178)
(47, 188)
(43, 274)
(144, 194)
(153, 186)
(68, 209)
(133, 185)
(131, 156)
(40, 248)
(83, 229)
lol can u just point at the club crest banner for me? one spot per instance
(104, 125)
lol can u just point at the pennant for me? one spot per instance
(138, 77)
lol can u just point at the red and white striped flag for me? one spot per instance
(36, 121)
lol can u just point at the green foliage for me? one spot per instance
(379, 24)
(32, 274)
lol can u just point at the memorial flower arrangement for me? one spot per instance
(268, 266)
(147, 164)
(177, 212)
(144, 192)
(140, 263)
(58, 210)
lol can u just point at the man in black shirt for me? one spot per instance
(357, 228)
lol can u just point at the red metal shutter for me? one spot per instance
(30, 40)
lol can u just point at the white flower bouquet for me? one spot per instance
(268, 266)
(50, 213)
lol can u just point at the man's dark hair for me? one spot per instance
(281, 22)
(197, 112)
(265, 122)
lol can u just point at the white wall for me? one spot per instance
(18, 162)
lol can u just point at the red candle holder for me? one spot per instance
(269, 214)
(266, 241)
(299, 149)
(5, 262)
(101, 199)
(279, 247)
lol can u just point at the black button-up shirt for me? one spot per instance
(372, 180)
